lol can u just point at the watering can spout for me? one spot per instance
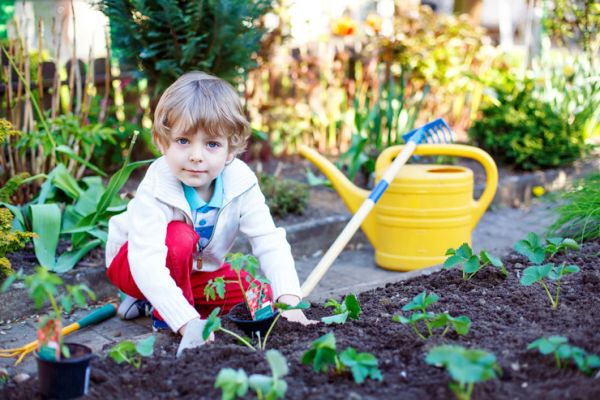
(352, 195)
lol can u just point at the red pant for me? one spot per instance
(181, 242)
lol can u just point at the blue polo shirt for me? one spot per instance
(204, 215)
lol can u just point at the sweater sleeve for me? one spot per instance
(269, 244)
(148, 220)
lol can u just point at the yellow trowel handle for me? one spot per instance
(456, 150)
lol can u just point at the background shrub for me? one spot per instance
(521, 130)
(284, 196)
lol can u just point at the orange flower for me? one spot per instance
(373, 21)
(344, 26)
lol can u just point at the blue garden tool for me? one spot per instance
(433, 132)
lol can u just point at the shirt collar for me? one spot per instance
(196, 202)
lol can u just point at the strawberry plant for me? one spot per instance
(562, 350)
(323, 355)
(349, 307)
(471, 263)
(536, 252)
(44, 286)
(466, 367)
(235, 384)
(538, 273)
(132, 353)
(420, 302)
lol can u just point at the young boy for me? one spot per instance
(188, 210)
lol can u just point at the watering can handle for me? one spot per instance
(457, 150)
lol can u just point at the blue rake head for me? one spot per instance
(436, 131)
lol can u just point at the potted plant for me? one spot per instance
(63, 368)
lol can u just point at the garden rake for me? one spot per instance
(96, 316)
(436, 131)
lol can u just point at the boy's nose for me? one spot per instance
(196, 153)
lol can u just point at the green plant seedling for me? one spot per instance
(235, 384)
(362, 365)
(466, 367)
(132, 353)
(271, 387)
(44, 286)
(536, 252)
(349, 307)
(471, 263)
(538, 273)
(323, 355)
(562, 350)
(420, 302)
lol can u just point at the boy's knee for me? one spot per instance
(181, 239)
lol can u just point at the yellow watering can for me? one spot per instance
(426, 209)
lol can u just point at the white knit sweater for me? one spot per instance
(160, 199)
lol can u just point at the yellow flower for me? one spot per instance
(568, 71)
(538, 191)
(374, 21)
(344, 26)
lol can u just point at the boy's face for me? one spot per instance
(196, 159)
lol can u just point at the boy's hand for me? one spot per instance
(192, 335)
(294, 315)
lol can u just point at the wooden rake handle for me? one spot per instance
(357, 219)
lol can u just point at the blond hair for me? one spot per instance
(196, 101)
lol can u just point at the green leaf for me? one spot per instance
(46, 224)
(353, 306)
(232, 383)
(464, 251)
(335, 319)
(453, 261)
(558, 272)
(213, 323)
(535, 273)
(302, 305)
(260, 383)
(122, 352)
(471, 265)
(67, 303)
(571, 244)
(547, 345)
(490, 259)
(461, 324)
(67, 260)
(278, 363)
(9, 281)
(68, 151)
(145, 347)
(63, 180)
(531, 249)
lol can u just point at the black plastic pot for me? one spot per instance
(249, 326)
(67, 378)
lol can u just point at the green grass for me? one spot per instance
(579, 217)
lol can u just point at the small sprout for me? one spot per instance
(271, 387)
(420, 302)
(131, 353)
(235, 384)
(362, 365)
(323, 355)
(466, 367)
(536, 252)
(470, 262)
(349, 307)
(537, 273)
(562, 350)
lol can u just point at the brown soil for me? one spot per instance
(506, 318)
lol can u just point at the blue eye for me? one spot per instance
(182, 141)
(213, 145)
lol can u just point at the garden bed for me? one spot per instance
(506, 318)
